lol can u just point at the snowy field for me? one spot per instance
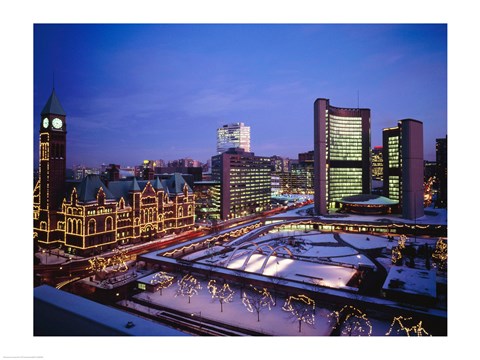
(272, 322)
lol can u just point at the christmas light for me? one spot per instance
(416, 329)
(223, 293)
(302, 308)
(351, 321)
(188, 286)
(256, 299)
(396, 255)
(162, 280)
(401, 242)
(440, 254)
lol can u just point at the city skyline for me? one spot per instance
(135, 92)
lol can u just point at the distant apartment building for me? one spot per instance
(377, 163)
(80, 171)
(207, 199)
(236, 135)
(299, 178)
(245, 181)
(441, 157)
(403, 168)
(341, 153)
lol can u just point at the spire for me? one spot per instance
(53, 106)
(157, 185)
(135, 186)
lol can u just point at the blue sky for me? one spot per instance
(134, 92)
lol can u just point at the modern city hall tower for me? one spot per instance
(403, 166)
(341, 153)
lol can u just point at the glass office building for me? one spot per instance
(403, 166)
(341, 152)
(236, 135)
(245, 182)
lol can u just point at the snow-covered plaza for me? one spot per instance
(326, 261)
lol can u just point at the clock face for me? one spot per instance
(57, 123)
(45, 122)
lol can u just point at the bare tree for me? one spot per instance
(257, 299)
(222, 293)
(350, 321)
(302, 308)
(188, 286)
(163, 280)
(406, 325)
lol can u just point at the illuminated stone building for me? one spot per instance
(92, 216)
(403, 166)
(236, 135)
(341, 154)
(245, 182)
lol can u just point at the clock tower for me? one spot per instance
(52, 167)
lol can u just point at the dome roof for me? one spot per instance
(367, 199)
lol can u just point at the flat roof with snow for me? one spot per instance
(59, 313)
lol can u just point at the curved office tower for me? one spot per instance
(403, 166)
(341, 153)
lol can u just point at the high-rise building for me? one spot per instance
(441, 157)
(245, 182)
(377, 163)
(403, 166)
(235, 135)
(341, 153)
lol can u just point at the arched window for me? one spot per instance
(92, 226)
(190, 210)
(180, 212)
(108, 223)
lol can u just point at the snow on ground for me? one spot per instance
(272, 322)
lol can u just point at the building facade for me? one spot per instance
(207, 199)
(91, 216)
(441, 160)
(245, 181)
(341, 154)
(403, 170)
(236, 135)
(377, 163)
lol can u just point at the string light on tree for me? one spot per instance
(223, 293)
(256, 299)
(350, 321)
(401, 242)
(188, 286)
(302, 309)
(404, 324)
(162, 279)
(396, 255)
(440, 254)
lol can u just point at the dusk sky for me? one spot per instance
(134, 92)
